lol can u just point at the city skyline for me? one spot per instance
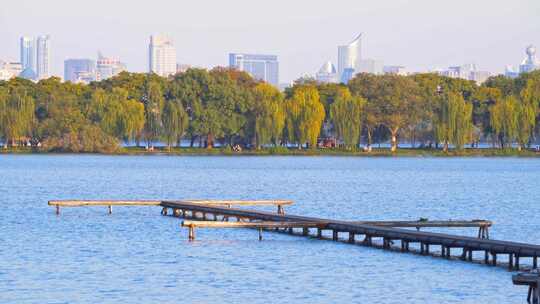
(425, 40)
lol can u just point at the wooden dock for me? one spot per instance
(381, 234)
(389, 236)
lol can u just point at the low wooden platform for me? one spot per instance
(228, 203)
(482, 225)
(256, 225)
(531, 279)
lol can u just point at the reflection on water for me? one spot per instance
(137, 256)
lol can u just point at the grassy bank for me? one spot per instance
(404, 152)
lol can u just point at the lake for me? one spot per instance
(135, 255)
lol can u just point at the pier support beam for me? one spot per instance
(110, 209)
(319, 233)
(335, 235)
(164, 211)
(351, 237)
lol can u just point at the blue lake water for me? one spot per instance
(137, 256)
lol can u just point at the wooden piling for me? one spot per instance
(110, 209)
(351, 237)
(335, 235)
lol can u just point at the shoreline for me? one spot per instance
(376, 152)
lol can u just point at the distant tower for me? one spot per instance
(530, 63)
(162, 56)
(28, 53)
(349, 56)
(259, 66)
(43, 58)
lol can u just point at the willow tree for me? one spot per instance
(346, 115)
(529, 97)
(268, 114)
(175, 122)
(132, 120)
(16, 115)
(453, 122)
(153, 111)
(504, 117)
(305, 116)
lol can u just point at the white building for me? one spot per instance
(43, 57)
(370, 66)
(107, 67)
(467, 72)
(327, 73)
(395, 70)
(259, 66)
(9, 70)
(349, 56)
(162, 56)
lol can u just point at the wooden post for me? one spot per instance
(469, 255)
(110, 209)
(494, 259)
(183, 213)
(517, 261)
(164, 211)
(334, 235)
(280, 209)
(57, 210)
(427, 249)
(464, 254)
(510, 261)
(191, 233)
(535, 262)
(402, 246)
(351, 237)
(486, 257)
(305, 231)
(291, 231)
(448, 252)
(260, 234)
(319, 233)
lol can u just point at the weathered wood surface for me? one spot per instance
(80, 203)
(449, 241)
(269, 224)
(425, 224)
(240, 202)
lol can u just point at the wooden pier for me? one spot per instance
(381, 234)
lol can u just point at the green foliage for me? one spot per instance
(268, 113)
(305, 115)
(453, 122)
(175, 122)
(346, 116)
(504, 119)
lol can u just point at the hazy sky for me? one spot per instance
(420, 35)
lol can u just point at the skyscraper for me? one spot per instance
(349, 56)
(260, 67)
(162, 56)
(79, 70)
(43, 57)
(28, 58)
(370, 66)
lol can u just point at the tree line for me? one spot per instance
(228, 107)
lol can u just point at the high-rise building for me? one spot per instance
(43, 57)
(108, 67)
(28, 53)
(370, 66)
(466, 71)
(79, 70)
(349, 56)
(162, 56)
(327, 73)
(530, 63)
(260, 67)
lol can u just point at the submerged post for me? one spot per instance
(110, 209)
(260, 234)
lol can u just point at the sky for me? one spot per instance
(420, 35)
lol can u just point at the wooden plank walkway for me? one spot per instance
(228, 203)
(389, 235)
